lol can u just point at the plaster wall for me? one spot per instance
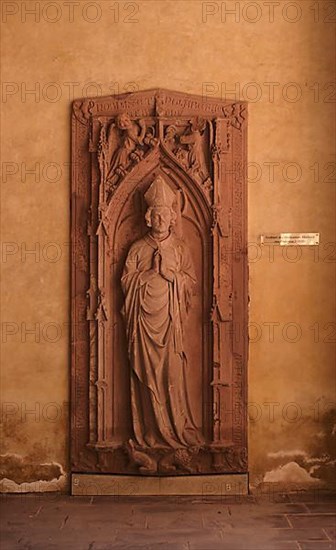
(279, 57)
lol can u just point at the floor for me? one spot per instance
(296, 521)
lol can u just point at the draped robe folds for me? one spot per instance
(155, 313)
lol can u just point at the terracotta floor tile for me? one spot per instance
(321, 507)
(313, 520)
(307, 534)
(331, 532)
(317, 545)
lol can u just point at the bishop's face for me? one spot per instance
(161, 219)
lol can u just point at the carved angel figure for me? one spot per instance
(193, 138)
(157, 280)
(171, 137)
(189, 149)
(172, 142)
(129, 140)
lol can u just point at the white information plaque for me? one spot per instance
(291, 239)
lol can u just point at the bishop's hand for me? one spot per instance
(156, 261)
(151, 273)
(166, 273)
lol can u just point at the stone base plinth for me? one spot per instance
(120, 485)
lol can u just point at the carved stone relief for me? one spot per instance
(159, 283)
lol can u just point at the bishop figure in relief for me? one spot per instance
(157, 284)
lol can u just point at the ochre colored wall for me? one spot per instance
(282, 63)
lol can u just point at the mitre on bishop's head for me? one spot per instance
(159, 193)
